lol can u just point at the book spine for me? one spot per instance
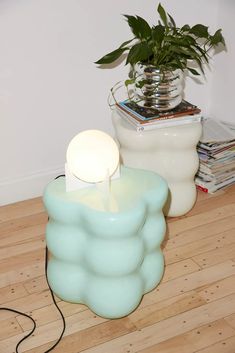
(199, 187)
(146, 127)
(162, 120)
(129, 120)
(160, 125)
(161, 116)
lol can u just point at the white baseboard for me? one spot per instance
(26, 187)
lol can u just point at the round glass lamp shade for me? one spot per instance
(92, 155)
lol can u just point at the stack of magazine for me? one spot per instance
(142, 118)
(217, 156)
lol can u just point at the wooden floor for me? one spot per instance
(192, 310)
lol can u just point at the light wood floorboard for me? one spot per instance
(191, 311)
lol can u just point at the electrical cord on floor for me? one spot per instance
(33, 321)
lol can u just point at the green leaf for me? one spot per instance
(190, 40)
(145, 28)
(217, 38)
(162, 14)
(158, 33)
(200, 31)
(182, 40)
(172, 21)
(176, 63)
(129, 82)
(126, 43)
(183, 52)
(190, 52)
(182, 63)
(202, 53)
(139, 26)
(182, 45)
(193, 71)
(185, 28)
(111, 57)
(175, 40)
(115, 54)
(139, 52)
(141, 83)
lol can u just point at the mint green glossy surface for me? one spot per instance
(106, 260)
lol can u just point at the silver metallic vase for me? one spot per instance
(156, 89)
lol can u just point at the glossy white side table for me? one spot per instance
(170, 151)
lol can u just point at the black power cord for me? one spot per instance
(33, 321)
(29, 317)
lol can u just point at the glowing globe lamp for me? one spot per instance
(92, 155)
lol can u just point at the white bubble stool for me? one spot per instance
(170, 152)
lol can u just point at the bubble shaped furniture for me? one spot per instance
(106, 260)
(170, 152)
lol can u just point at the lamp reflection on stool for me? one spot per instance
(104, 238)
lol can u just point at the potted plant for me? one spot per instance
(159, 55)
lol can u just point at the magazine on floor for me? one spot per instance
(216, 151)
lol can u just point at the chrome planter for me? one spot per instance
(159, 90)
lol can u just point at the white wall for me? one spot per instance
(223, 82)
(49, 87)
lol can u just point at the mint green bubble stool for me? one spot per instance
(106, 260)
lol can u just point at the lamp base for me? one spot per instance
(73, 183)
